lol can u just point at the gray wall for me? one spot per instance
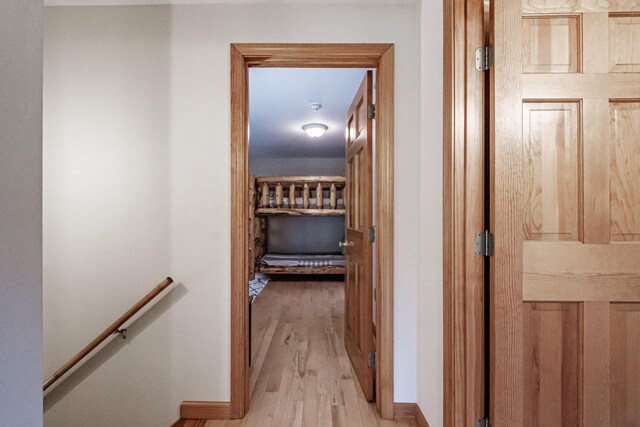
(304, 235)
(21, 212)
(264, 166)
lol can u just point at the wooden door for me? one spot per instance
(565, 301)
(358, 327)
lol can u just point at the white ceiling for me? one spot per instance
(279, 101)
(138, 2)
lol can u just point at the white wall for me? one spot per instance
(143, 93)
(430, 292)
(107, 194)
(21, 212)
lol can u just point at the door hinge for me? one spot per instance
(371, 111)
(372, 234)
(484, 244)
(484, 58)
(371, 359)
(483, 422)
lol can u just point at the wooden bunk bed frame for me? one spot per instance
(267, 197)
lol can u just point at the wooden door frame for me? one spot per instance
(463, 213)
(380, 57)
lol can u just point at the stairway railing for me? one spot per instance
(115, 328)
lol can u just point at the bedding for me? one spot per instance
(302, 260)
(257, 285)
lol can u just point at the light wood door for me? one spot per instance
(358, 325)
(565, 300)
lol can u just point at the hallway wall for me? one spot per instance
(107, 194)
(137, 187)
(430, 292)
(21, 212)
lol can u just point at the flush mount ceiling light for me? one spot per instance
(315, 130)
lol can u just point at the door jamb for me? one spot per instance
(381, 57)
(463, 213)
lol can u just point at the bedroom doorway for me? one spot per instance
(311, 221)
(311, 284)
(323, 194)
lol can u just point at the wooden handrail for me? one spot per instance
(300, 180)
(111, 329)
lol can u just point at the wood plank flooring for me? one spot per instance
(301, 375)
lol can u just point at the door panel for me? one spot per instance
(565, 210)
(625, 170)
(625, 364)
(358, 204)
(551, 150)
(551, 378)
(624, 35)
(550, 44)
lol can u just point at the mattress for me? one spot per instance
(302, 260)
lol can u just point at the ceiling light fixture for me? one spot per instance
(315, 130)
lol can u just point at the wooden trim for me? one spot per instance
(412, 411)
(404, 410)
(463, 213)
(327, 269)
(180, 423)
(203, 410)
(253, 222)
(474, 218)
(323, 55)
(239, 236)
(108, 332)
(299, 212)
(183, 422)
(448, 210)
(420, 418)
(378, 56)
(338, 180)
(384, 233)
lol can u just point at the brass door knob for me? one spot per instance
(345, 244)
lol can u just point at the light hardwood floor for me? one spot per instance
(301, 374)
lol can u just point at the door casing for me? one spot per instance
(380, 57)
(464, 200)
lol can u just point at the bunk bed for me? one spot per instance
(309, 196)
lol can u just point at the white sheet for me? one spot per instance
(302, 260)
